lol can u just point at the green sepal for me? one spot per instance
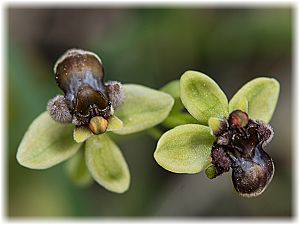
(143, 108)
(262, 96)
(106, 163)
(46, 143)
(185, 149)
(202, 97)
(77, 171)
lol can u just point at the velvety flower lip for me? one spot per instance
(209, 143)
(76, 125)
(239, 146)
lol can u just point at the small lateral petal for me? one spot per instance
(81, 134)
(114, 123)
(216, 125)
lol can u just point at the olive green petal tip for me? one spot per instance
(210, 171)
(114, 123)
(81, 134)
(202, 97)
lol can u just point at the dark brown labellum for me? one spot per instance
(77, 67)
(240, 147)
(88, 101)
(251, 176)
(80, 76)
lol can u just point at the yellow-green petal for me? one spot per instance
(143, 108)
(202, 97)
(215, 125)
(106, 163)
(80, 134)
(185, 149)
(262, 95)
(46, 143)
(114, 123)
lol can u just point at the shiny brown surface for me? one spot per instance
(87, 97)
(251, 177)
(77, 66)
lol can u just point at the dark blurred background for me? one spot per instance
(149, 46)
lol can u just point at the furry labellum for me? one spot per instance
(79, 74)
(239, 145)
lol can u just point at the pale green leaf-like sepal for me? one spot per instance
(77, 171)
(46, 143)
(262, 95)
(172, 88)
(81, 134)
(143, 108)
(114, 123)
(202, 97)
(185, 149)
(106, 163)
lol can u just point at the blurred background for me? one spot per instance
(148, 46)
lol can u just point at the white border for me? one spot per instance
(121, 3)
